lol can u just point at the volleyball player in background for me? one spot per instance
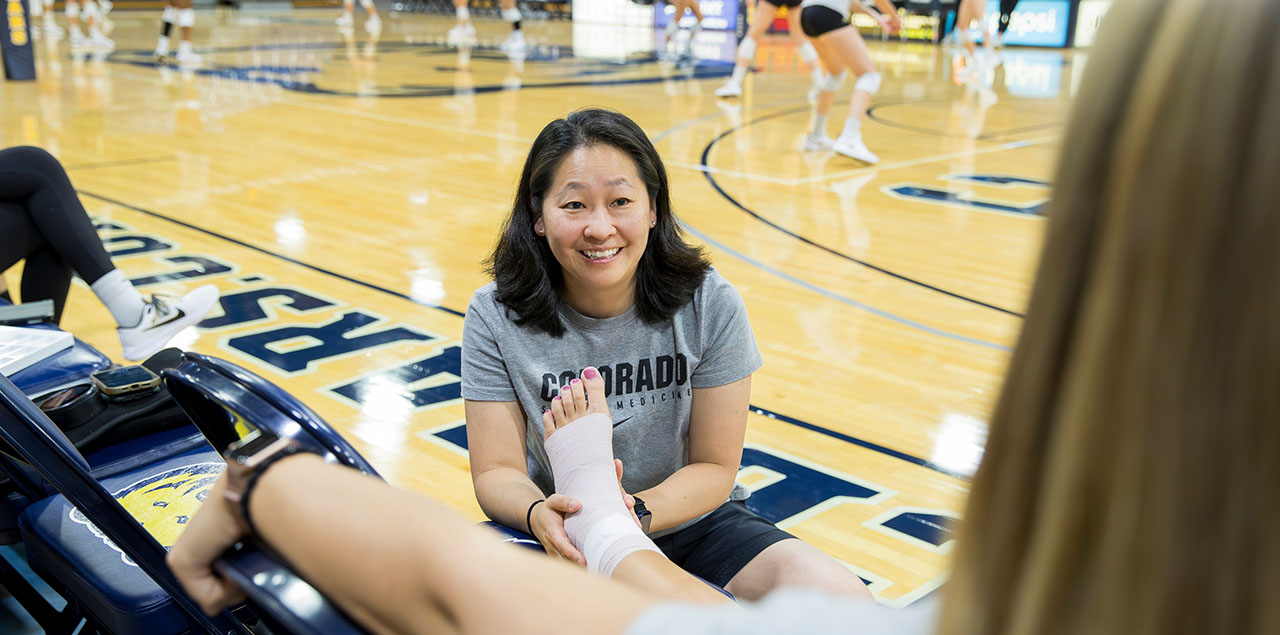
(1006, 14)
(679, 7)
(766, 13)
(50, 28)
(372, 24)
(464, 32)
(181, 13)
(842, 49)
(89, 10)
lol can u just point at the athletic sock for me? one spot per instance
(739, 74)
(581, 456)
(819, 124)
(121, 298)
(852, 126)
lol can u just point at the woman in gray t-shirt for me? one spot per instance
(592, 269)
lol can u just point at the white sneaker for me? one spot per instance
(373, 25)
(730, 89)
(101, 42)
(461, 33)
(78, 40)
(818, 143)
(852, 146)
(187, 58)
(514, 42)
(345, 20)
(162, 318)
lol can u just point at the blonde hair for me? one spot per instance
(1131, 482)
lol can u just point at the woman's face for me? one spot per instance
(596, 218)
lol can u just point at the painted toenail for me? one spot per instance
(590, 373)
(576, 381)
(556, 398)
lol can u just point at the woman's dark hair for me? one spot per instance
(528, 275)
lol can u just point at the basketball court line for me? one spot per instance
(908, 322)
(839, 254)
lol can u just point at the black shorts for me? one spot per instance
(815, 21)
(789, 4)
(717, 547)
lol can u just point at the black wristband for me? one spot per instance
(529, 516)
(249, 485)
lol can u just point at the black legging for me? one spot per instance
(43, 222)
(1006, 10)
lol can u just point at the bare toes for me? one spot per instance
(566, 400)
(557, 412)
(548, 423)
(579, 397)
(593, 386)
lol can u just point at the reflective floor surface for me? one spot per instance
(342, 189)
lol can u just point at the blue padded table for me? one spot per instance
(71, 366)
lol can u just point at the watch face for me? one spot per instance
(252, 443)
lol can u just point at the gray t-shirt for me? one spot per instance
(789, 611)
(650, 372)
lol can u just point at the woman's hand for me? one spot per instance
(210, 532)
(890, 23)
(547, 523)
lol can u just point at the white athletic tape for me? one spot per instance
(832, 83)
(747, 49)
(464, 14)
(868, 83)
(170, 15)
(808, 53)
(511, 15)
(186, 17)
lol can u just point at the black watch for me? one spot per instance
(643, 513)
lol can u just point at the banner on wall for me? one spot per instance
(19, 57)
(717, 15)
(1033, 23)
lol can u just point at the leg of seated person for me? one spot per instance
(791, 563)
(34, 177)
(399, 562)
(54, 217)
(46, 276)
(579, 434)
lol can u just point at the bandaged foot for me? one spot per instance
(579, 443)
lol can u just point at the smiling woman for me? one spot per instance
(592, 270)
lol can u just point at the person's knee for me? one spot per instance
(34, 158)
(815, 569)
(868, 82)
(797, 563)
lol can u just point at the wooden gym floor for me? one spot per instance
(338, 181)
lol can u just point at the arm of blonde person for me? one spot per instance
(398, 562)
(890, 15)
(717, 428)
(496, 444)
